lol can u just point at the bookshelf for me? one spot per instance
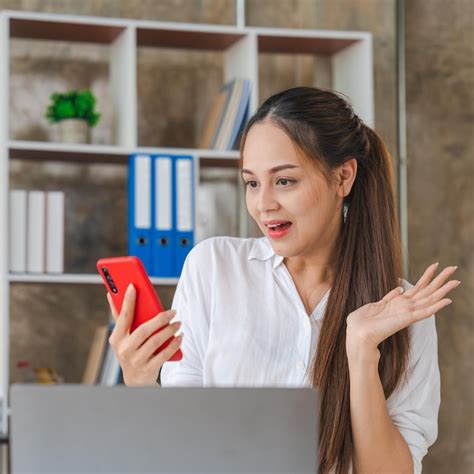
(349, 53)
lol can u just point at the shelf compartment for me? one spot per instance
(210, 58)
(190, 77)
(348, 54)
(113, 47)
(328, 42)
(218, 201)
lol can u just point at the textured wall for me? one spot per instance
(440, 112)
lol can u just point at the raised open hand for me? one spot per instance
(374, 322)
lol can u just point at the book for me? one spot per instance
(241, 117)
(110, 370)
(213, 118)
(96, 355)
(227, 115)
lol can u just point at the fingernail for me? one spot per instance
(130, 288)
(401, 290)
(455, 268)
(436, 264)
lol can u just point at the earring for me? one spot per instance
(345, 209)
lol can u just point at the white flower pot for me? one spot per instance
(73, 131)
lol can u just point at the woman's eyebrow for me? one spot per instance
(273, 170)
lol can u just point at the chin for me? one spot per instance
(281, 250)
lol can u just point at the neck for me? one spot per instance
(317, 267)
(318, 272)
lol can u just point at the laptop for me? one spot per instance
(97, 429)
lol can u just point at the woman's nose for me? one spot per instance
(266, 201)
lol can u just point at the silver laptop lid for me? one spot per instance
(88, 429)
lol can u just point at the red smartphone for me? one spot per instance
(118, 273)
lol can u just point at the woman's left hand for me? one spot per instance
(372, 323)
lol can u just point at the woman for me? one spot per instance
(316, 301)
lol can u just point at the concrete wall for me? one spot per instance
(440, 111)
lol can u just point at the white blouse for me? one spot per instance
(244, 324)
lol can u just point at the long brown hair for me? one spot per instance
(367, 258)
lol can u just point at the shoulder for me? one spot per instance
(220, 249)
(216, 259)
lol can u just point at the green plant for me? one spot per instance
(73, 105)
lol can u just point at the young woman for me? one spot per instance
(316, 301)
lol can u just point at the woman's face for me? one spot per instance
(284, 187)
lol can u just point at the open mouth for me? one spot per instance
(279, 227)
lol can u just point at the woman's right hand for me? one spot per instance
(135, 351)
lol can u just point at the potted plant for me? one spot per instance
(74, 112)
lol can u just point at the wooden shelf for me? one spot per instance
(63, 30)
(74, 278)
(177, 38)
(102, 30)
(272, 43)
(48, 151)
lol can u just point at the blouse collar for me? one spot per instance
(262, 250)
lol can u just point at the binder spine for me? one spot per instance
(184, 209)
(161, 212)
(17, 220)
(36, 232)
(54, 232)
(163, 246)
(139, 208)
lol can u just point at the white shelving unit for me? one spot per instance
(350, 54)
(74, 278)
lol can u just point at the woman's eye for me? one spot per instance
(285, 182)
